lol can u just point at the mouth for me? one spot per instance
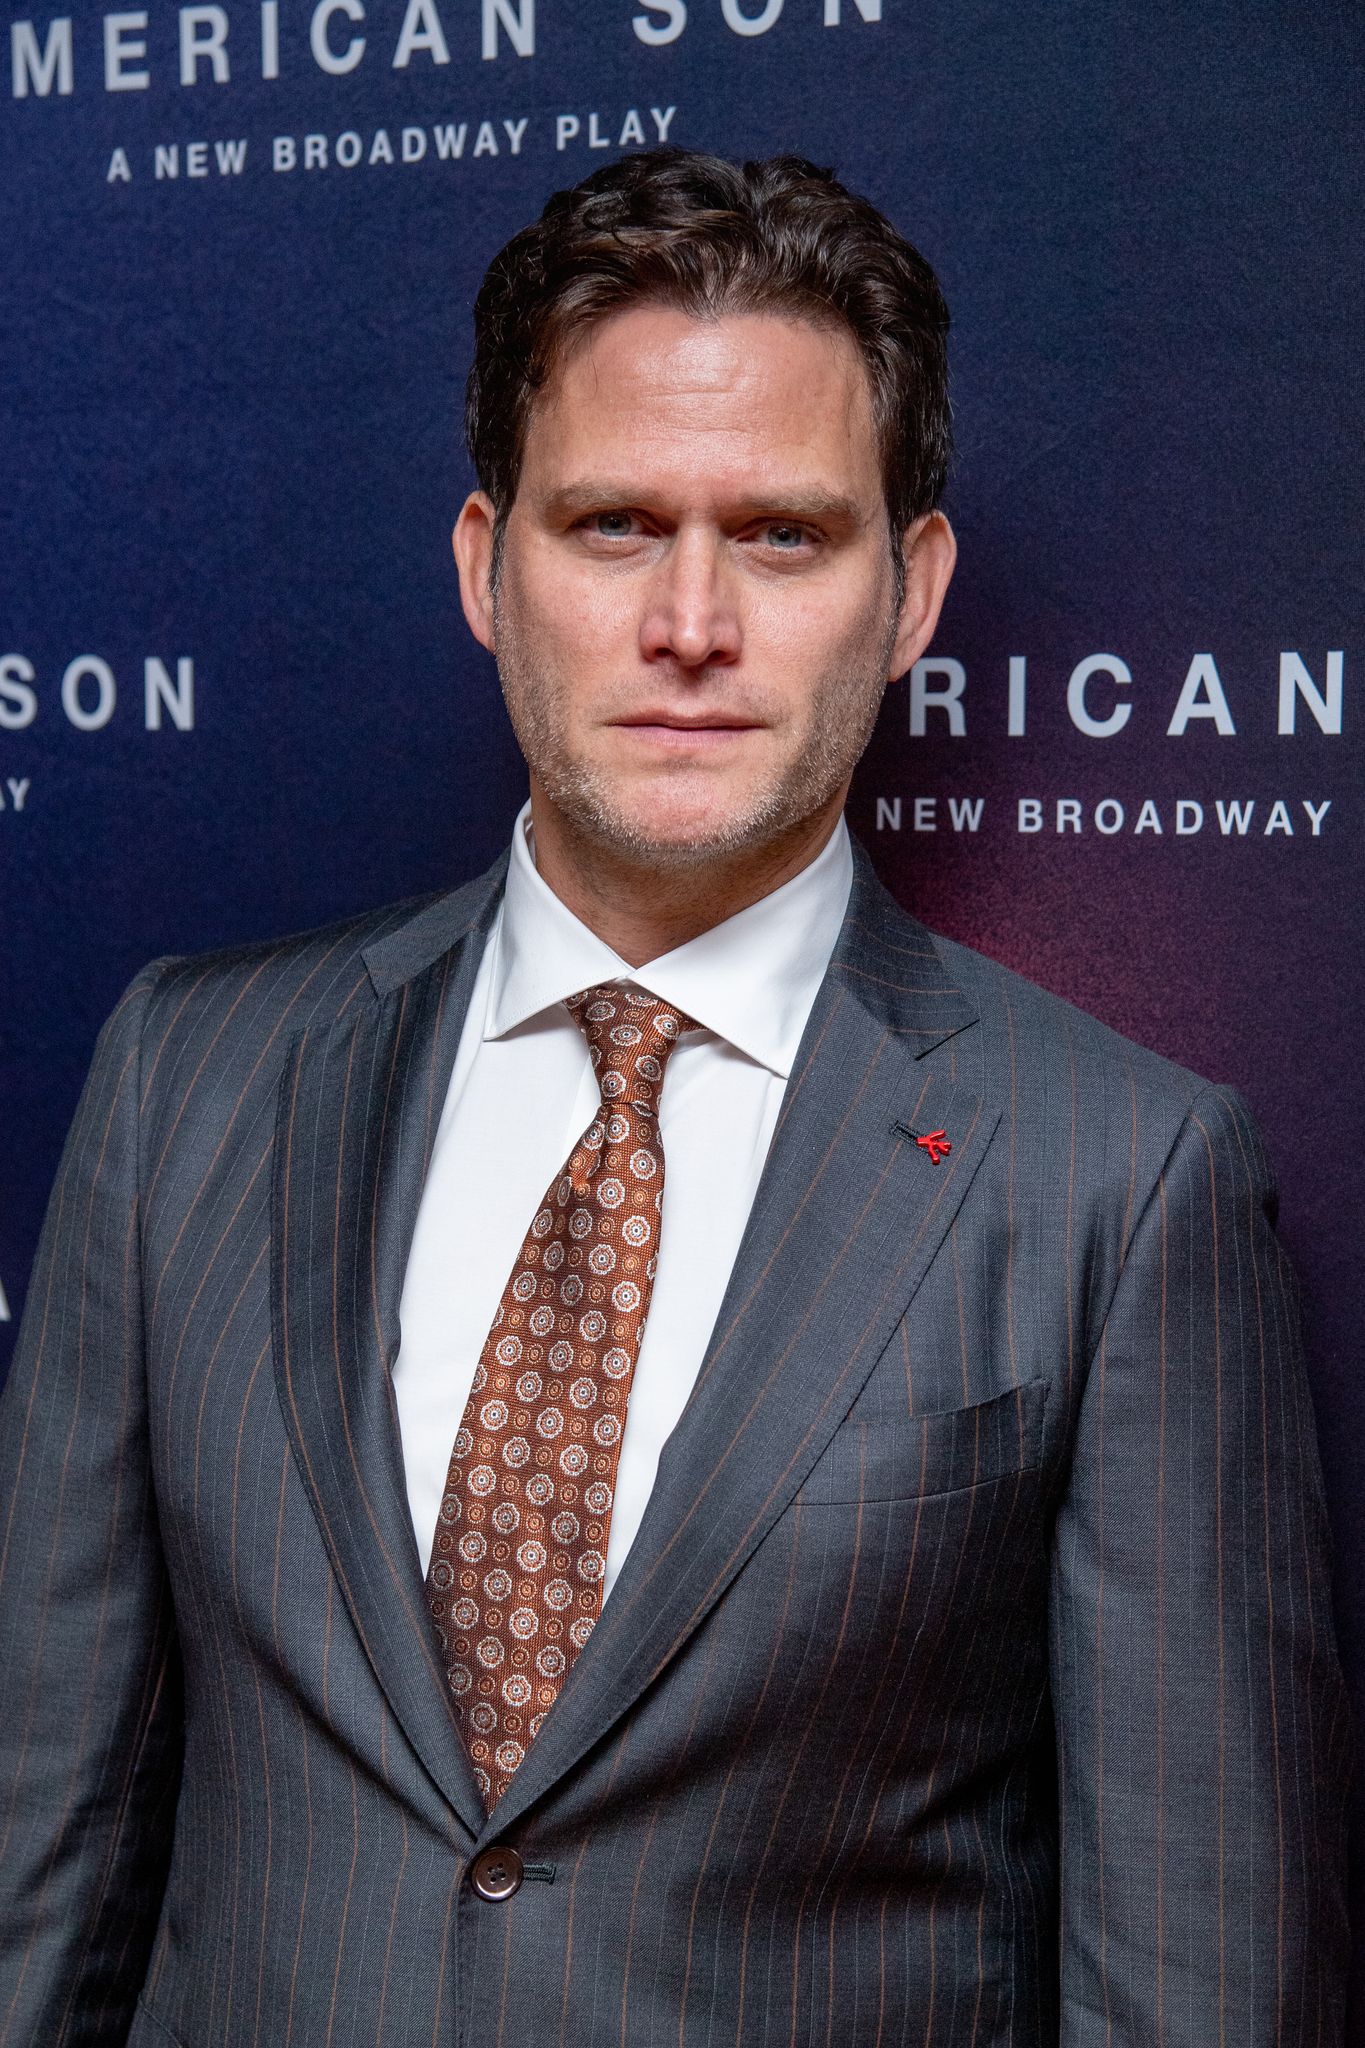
(679, 730)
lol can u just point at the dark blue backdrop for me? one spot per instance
(231, 403)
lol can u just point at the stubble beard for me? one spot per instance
(843, 713)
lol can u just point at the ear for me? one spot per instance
(472, 541)
(930, 551)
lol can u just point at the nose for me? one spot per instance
(691, 612)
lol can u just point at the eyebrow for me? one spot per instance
(806, 502)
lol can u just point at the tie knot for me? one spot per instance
(630, 1035)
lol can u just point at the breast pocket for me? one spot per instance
(928, 1454)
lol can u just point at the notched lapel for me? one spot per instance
(357, 1114)
(848, 1215)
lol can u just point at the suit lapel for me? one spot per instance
(358, 1109)
(849, 1212)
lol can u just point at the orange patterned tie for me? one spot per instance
(515, 1580)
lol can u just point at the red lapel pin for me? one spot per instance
(936, 1144)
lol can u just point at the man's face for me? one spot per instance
(695, 616)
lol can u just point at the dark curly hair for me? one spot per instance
(694, 231)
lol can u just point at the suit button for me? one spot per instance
(496, 1874)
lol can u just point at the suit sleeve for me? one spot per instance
(1201, 1725)
(90, 1732)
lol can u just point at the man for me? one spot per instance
(645, 1452)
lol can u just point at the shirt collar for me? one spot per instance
(750, 980)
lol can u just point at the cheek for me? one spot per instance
(576, 627)
(835, 600)
(817, 633)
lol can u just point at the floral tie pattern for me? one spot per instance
(515, 1581)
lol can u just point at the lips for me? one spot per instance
(690, 737)
(700, 721)
(670, 721)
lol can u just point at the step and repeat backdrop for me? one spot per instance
(236, 697)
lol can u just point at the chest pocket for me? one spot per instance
(928, 1454)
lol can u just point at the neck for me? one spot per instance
(642, 911)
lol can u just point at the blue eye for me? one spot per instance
(613, 525)
(781, 535)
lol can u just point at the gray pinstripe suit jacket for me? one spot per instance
(972, 1678)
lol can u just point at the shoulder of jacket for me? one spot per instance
(1026, 1023)
(331, 954)
(274, 988)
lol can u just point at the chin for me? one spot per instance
(663, 829)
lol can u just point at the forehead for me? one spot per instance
(742, 396)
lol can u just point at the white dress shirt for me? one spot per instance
(521, 1094)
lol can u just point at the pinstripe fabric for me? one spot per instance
(971, 1679)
